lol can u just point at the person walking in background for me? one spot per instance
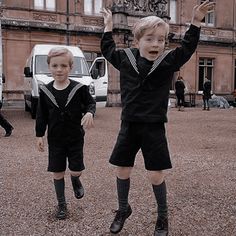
(206, 94)
(146, 74)
(6, 125)
(65, 107)
(3, 122)
(179, 92)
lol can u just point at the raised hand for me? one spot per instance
(200, 11)
(107, 16)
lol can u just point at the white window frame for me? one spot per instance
(207, 20)
(173, 11)
(206, 67)
(92, 4)
(49, 5)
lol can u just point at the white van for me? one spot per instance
(37, 73)
(99, 73)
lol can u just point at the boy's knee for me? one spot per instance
(76, 173)
(123, 172)
(58, 175)
(156, 177)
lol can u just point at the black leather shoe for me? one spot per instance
(119, 220)
(161, 228)
(9, 132)
(77, 186)
(61, 212)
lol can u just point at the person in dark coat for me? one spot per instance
(3, 122)
(206, 94)
(146, 74)
(5, 125)
(179, 92)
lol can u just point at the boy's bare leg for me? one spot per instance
(159, 189)
(123, 172)
(123, 186)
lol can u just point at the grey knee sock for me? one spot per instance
(123, 186)
(60, 190)
(160, 195)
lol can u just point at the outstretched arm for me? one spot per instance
(107, 16)
(108, 46)
(200, 11)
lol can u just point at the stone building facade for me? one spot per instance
(25, 23)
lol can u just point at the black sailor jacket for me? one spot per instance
(63, 123)
(146, 99)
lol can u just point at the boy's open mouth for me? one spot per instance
(153, 52)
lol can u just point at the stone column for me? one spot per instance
(120, 32)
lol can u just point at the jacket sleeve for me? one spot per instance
(188, 46)
(41, 116)
(109, 51)
(88, 101)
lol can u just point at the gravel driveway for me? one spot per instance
(201, 185)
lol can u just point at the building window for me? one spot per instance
(173, 11)
(92, 7)
(49, 5)
(209, 20)
(205, 70)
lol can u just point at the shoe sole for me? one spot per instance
(161, 234)
(116, 232)
(61, 218)
(79, 197)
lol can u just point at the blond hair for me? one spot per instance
(149, 22)
(58, 51)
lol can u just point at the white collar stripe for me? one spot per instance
(132, 59)
(158, 61)
(50, 95)
(72, 92)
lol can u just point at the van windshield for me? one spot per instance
(79, 67)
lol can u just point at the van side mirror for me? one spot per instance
(94, 73)
(27, 72)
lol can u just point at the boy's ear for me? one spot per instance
(136, 43)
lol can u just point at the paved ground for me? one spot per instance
(201, 185)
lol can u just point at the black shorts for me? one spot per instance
(58, 155)
(150, 137)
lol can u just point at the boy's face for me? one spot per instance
(151, 45)
(60, 68)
